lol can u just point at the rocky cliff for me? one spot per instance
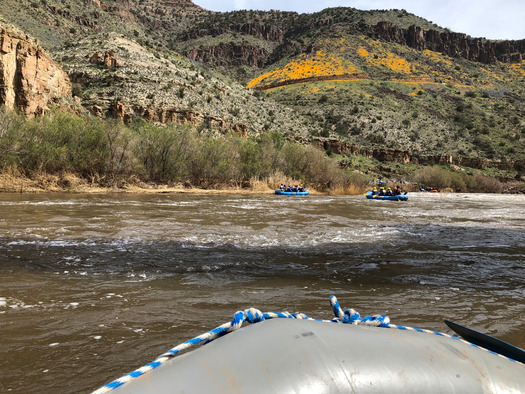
(229, 54)
(281, 37)
(450, 43)
(385, 155)
(29, 79)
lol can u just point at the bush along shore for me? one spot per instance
(62, 151)
(65, 151)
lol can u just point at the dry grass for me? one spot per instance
(70, 183)
(18, 183)
(272, 182)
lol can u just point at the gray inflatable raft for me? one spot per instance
(306, 356)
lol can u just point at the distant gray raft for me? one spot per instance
(306, 356)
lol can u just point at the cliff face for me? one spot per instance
(281, 39)
(450, 43)
(385, 155)
(29, 79)
(229, 54)
(257, 30)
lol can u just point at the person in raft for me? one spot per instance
(290, 189)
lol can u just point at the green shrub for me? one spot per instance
(483, 184)
(440, 179)
(164, 153)
(109, 150)
(459, 182)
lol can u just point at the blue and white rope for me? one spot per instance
(252, 315)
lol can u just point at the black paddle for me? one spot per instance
(488, 342)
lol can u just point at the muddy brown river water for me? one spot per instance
(95, 286)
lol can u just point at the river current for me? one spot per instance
(95, 286)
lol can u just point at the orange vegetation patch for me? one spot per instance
(320, 65)
(441, 68)
(362, 52)
(437, 57)
(519, 68)
(377, 56)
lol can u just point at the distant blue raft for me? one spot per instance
(283, 193)
(401, 197)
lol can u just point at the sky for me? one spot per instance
(492, 19)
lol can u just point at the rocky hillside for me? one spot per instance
(113, 76)
(377, 80)
(374, 81)
(268, 37)
(381, 94)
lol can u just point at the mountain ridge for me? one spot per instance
(374, 79)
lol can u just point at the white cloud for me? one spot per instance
(240, 4)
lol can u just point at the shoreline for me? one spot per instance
(70, 184)
(74, 185)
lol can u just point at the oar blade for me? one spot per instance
(488, 342)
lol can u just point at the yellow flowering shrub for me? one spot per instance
(440, 60)
(362, 52)
(318, 64)
(519, 68)
(378, 56)
(437, 57)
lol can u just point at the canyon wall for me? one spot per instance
(385, 155)
(29, 79)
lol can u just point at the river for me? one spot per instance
(95, 286)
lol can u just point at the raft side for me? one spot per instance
(287, 355)
(283, 193)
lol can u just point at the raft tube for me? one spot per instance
(307, 356)
(401, 197)
(283, 193)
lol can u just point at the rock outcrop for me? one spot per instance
(257, 30)
(450, 43)
(229, 54)
(108, 59)
(173, 116)
(400, 156)
(29, 79)
(447, 42)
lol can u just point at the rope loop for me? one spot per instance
(377, 321)
(253, 315)
(350, 316)
(236, 323)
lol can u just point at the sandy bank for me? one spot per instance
(71, 184)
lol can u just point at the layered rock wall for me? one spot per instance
(229, 54)
(400, 156)
(29, 79)
(447, 42)
(450, 43)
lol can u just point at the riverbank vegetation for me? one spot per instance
(110, 154)
(64, 151)
(444, 179)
